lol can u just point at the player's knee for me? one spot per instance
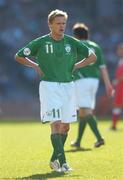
(85, 112)
(55, 127)
(65, 128)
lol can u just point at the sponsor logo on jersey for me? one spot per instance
(49, 113)
(68, 48)
(26, 51)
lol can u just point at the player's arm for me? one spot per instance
(84, 62)
(25, 61)
(90, 57)
(28, 62)
(25, 55)
(84, 51)
(104, 73)
(109, 88)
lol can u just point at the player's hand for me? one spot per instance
(110, 91)
(74, 68)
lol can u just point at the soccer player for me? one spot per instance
(56, 58)
(118, 85)
(86, 83)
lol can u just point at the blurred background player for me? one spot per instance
(56, 57)
(118, 85)
(87, 81)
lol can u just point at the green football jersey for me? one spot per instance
(91, 70)
(55, 58)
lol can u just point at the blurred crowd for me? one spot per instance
(23, 20)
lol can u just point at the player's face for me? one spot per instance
(120, 50)
(58, 26)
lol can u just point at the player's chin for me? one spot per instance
(61, 32)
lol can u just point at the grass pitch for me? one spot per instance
(25, 150)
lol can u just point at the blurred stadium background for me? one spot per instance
(23, 20)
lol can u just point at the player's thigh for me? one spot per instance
(50, 102)
(83, 112)
(69, 103)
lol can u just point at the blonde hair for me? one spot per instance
(56, 13)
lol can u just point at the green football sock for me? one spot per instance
(91, 119)
(81, 129)
(54, 156)
(63, 137)
(58, 148)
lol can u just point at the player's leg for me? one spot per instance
(58, 141)
(86, 96)
(63, 138)
(69, 115)
(117, 107)
(90, 97)
(81, 128)
(89, 118)
(50, 111)
(116, 113)
(92, 121)
(64, 133)
(57, 144)
(81, 92)
(54, 164)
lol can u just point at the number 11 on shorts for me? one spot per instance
(56, 113)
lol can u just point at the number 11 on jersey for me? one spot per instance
(49, 48)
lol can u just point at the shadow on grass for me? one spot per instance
(45, 176)
(115, 131)
(79, 149)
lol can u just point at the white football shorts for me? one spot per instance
(86, 89)
(57, 101)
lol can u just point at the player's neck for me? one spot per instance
(56, 37)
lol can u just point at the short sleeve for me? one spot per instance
(83, 50)
(30, 50)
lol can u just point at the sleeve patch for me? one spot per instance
(26, 51)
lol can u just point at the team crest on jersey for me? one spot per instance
(26, 51)
(67, 48)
